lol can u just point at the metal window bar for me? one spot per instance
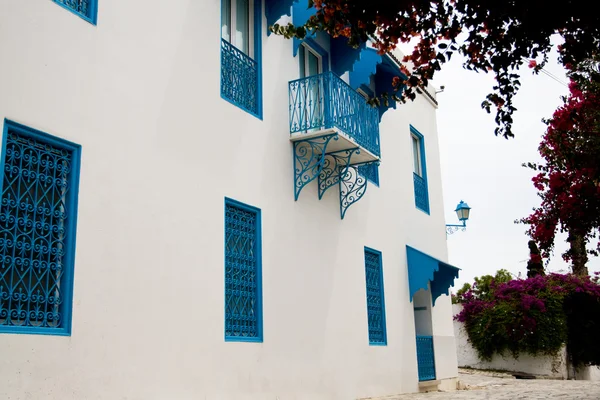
(425, 358)
(33, 233)
(370, 171)
(239, 78)
(83, 7)
(375, 298)
(421, 195)
(325, 101)
(241, 273)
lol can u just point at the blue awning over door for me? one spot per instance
(425, 271)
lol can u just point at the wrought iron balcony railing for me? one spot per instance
(421, 195)
(239, 78)
(325, 101)
(425, 358)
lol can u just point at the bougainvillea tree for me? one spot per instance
(494, 36)
(537, 315)
(568, 178)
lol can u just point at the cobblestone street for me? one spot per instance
(494, 388)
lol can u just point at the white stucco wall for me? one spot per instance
(554, 367)
(160, 151)
(590, 373)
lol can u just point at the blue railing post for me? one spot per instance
(327, 102)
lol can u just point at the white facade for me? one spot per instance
(160, 151)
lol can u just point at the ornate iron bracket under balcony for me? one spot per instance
(333, 131)
(338, 171)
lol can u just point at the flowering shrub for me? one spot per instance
(567, 179)
(535, 316)
(481, 288)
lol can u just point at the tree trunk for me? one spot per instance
(579, 254)
(535, 266)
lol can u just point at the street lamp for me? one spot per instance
(462, 211)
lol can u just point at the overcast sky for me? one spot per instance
(485, 171)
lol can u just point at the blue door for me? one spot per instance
(425, 358)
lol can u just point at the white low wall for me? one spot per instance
(552, 367)
(588, 374)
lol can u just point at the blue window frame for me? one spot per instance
(313, 59)
(241, 54)
(38, 216)
(370, 172)
(86, 9)
(243, 278)
(419, 170)
(375, 297)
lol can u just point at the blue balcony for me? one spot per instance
(421, 195)
(239, 78)
(425, 358)
(334, 132)
(323, 104)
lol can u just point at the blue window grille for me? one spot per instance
(243, 292)
(325, 101)
(38, 214)
(425, 358)
(375, 297)
(419, 171)
(239, 78)
(370, 171)
(86, 9)
(241, 54)
(421, 198)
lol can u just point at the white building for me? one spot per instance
(151, 243)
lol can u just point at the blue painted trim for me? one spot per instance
(386, 71)
(421, 138)
(382, 68)
(425, 271)
(390, 63)
(364, 67)
(92, 18)
(443, 280)
(421, 268)
(324, 54)
(300, 16)
(382, 291)
(259, 297)
(258, 33)
(72, 200)
(344, 57)
(275, 9)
